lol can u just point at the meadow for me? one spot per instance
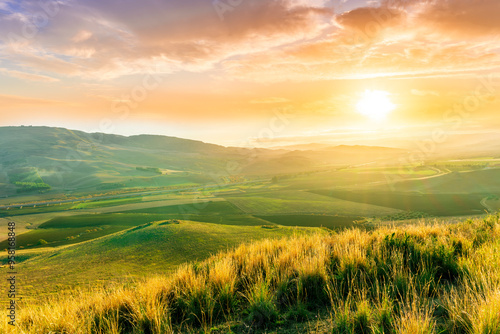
(169, 251)
(433, 204)
(145, 250)
(441, 278)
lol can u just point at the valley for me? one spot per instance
(86, 231)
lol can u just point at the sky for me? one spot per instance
(253, 72)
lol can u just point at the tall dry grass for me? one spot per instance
(414, 279)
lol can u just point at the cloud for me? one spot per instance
(13, 101)
(28, 76)
(463, 17)
(107, 39)
(391, 40)
(81, 36)
(337, 58)
(367, 18)
(257, 40)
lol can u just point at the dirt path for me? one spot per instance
(489, 208)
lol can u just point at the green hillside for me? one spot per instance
(428, 279)
(75, 161)
(288, 201)
(483, 181)
(69, 159)
(141, 251)
(433, 204)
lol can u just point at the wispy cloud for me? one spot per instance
(13, 101)
(28, 76)
(115, 38)
(279, 40)
(386, 41)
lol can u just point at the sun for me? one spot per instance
(375, 104)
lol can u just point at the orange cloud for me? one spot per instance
(12, 101)
(395, 39)
(280, 40)
(28, 76)
(107, 39)
(463, 17)
(366, 18)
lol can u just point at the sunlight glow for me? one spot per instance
(375, 104)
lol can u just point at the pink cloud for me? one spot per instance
(118, 38)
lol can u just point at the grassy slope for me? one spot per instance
(20, 228)
(417, 279)
(434, 204)
(25, 218)
(340, 178)
(479, 181)
(331, 222)
(287, 202)
(64, 230)
(138, 252)
(73, 226)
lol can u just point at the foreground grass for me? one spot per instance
(416, 279)
(137, 253)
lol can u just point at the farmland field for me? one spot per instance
(434, 204)
(303, 202)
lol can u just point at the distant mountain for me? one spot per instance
(486, 143)
(36, 138)
(302, 147)
(70, 159)
(75, 159)
(333, 156)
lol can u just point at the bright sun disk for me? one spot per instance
(375, 104)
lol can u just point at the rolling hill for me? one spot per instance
(69, 160)
(149, 249)
(442, 278)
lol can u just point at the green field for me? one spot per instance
(433, 204)
(12, 212)
(35, 210)
(54, 237)
(196, 207)
(405, 172)
(423, 279)
(485, 181)
(286, 202)
(216, 212)
(138, 252)
(73, 229)
(115, 219)
(331, 222)
(106, 203)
